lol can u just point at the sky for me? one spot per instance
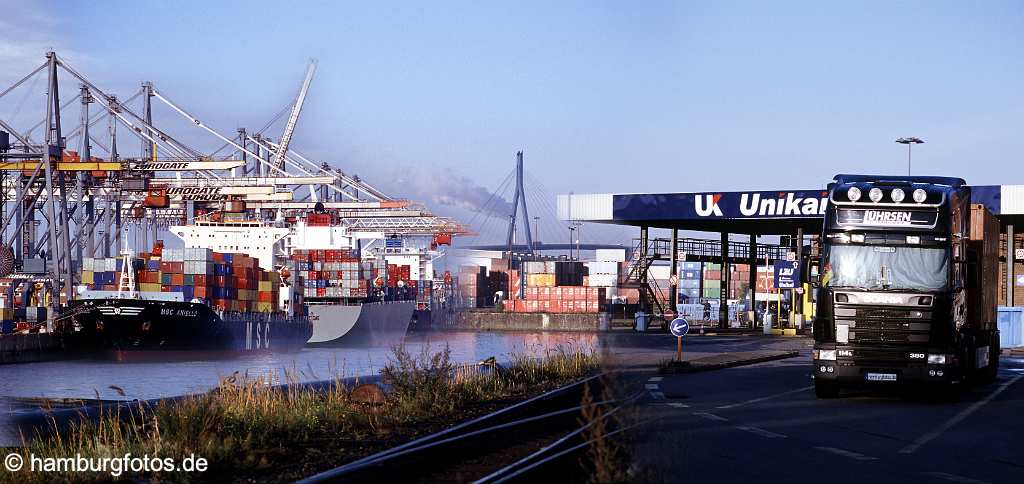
(431, 100)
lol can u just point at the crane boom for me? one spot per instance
(293, 118)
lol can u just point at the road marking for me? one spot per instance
(651, 386)
(847, 453)
(769, 397)
(954, 478)
(658, 395)
(677, 405)
(711, 416)
(655, 378)
(761, 432)
(924, 439)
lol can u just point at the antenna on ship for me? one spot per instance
(127, 282)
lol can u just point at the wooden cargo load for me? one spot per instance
(983, 260)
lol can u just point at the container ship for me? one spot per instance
(354, 296)
(186, 303)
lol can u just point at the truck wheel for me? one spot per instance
(826, 390)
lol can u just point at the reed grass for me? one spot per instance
(247, 427)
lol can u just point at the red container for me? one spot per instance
(199, 280)
(177, 279)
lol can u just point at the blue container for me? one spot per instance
(1011, 327)
(229, 258)
(6, 326)
(321, 283)
(120, 264)
(153, 265)
(188, 292)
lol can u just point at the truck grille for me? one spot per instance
(885, 325)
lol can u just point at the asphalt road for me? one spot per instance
(762, 423)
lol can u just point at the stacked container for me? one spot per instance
(690, 282)
(474, 287)
(225, 281)
(712, 280)
(331, 274)
(560, 299)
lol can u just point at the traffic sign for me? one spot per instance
(787, 273)
(679, 327)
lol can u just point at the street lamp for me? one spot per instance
(536, 234)
(911, 141)
(572, 236)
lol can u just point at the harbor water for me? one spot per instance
(91, 378)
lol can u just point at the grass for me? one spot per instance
(245, 428)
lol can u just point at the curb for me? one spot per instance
(691, 368)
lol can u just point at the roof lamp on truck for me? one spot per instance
(907, 285)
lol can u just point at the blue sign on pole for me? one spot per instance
(787, 274)
(679, 327)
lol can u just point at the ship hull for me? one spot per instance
(127, 329)
(371, 324)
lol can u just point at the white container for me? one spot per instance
(610, 255)
(602, 280)
(602, 267)
(173, 255)
(87, 263)
(110, 265)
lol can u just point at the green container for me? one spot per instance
(165, 279)
(712, 284)
(712, 293)
(190, 279)
(710, 266)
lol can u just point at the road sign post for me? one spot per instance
(679, 327)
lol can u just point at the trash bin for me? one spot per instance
(767, 323)
(641, 321)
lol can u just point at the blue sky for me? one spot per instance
(602, 96)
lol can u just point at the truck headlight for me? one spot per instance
(825, 355)
(920, 195)
(853, 194)
(936, 359)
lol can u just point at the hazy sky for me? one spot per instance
(602, 96)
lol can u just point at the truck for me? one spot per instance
(906, 287)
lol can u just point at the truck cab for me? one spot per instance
(901, 296)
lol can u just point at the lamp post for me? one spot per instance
(572, 236)
(911, 141)
(536, 234)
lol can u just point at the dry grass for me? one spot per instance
(245, 427)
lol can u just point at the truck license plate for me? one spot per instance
(880, 377)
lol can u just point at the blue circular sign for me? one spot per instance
(679, 327)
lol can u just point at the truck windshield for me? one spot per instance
(874, 267)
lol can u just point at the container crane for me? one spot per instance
(293, 118)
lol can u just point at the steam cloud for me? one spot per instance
(445, 187)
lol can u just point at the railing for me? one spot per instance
(697, 249)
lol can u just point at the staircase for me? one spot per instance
(652, 299)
